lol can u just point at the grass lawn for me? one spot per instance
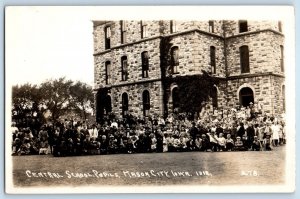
(189, 168)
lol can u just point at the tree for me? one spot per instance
(82, 98)
(56, 96)
(27, 104)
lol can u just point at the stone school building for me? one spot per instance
(247, 56)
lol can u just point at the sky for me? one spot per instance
(50, 43)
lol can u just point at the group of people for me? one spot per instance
(230, 130)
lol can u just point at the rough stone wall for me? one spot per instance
(194, 53)
(202, 54)
(133, 33)
(264, 52)
(232, 26)
(134, 60)
(266, 91)
(182, 26)
(135, 99)
(153, 29)
(194, 56)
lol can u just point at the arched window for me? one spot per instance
(146, 103)
(246, 96)
(175, 98)
(124, 104)
(283, 97)
(107, 103)
(243, 26)
(145, 64)
(107, 72)
(124, 68)
(107, 33)
(103, 104)
(213, 59)
(244, 59)
(123, 31)
(174, 60)
(281, 58)
(215, 97)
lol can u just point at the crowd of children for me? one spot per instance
(229, 130)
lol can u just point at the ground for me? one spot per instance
(189, 168)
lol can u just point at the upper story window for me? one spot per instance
(123, 31)
(107, 32)
(174, 60)
(173, 27)
(211, 27)
(143, 29)
(107, 72)
(244, 59)
(281, 58)
(279, 26)
(145, 64)
(213, 59)
(124, 71)
(243, 26)
(283, 96)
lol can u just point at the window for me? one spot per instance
(124, 68)
(175, 99)
(145, 64)
(283, 97)
(244, 59)
(213, 59)
(107, 37)
(215, 97)
(107, 72)
(143, 29)
(246, 96)
(123, 31)
(174, 60)
(279, 26)
(243, 26)
(173, 27)
(211, 26)
(146, 103)
(107, 104)
(124, 104)
(281, 58)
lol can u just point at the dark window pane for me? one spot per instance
(244, 59)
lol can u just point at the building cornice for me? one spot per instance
(184, 33)
(130, 83)
(242, 76)
(127, 44)
(159, 37)
(235, 77)
(254, 32)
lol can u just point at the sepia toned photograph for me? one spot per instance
(120, 100)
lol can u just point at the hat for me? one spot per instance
(238, 137)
